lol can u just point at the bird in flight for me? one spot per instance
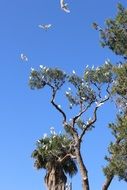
(64, 6)
(44, 26)
(23, 57)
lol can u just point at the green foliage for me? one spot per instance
(117, 159)
(46, 76)
(85, 89)
(51, 150)
(114, 35)
(100, 75)
(120, 85)
(81, 124)
(119, 88)
(84, 93)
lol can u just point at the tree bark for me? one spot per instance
(82, 168)
(55, 179)
(107, 183)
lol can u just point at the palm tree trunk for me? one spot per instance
(83, 170)
(55, 179)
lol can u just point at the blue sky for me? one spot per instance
(25, 115)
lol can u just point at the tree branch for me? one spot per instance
(82, 111)
(107, 182)
(56, 106)
(91, 122)
(66, 156)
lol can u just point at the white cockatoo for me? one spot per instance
(74, 72)
(93, 67)
(59, 106)
(23, 57)
(64, 6)
(44, 26)
(99, 104)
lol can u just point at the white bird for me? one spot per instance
(38, 141)
(120, 65)
(32, 69)
(41, 66)
(107, 62)
(44, 26)
(87, 123)
(71, 106)
(64, 6)
(97, 69)
(67, 93)
(23, 57)
(69, 88)
(99, 104)
(86, 72)
(52, 130)
(93, 67)
(83, 98)
(45, 135)
(59, 106)
(73, 72)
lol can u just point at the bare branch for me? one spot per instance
(54, 154)
(67, 156)
(98, 88)
(107, 89)
(92, 121)
(55, 105)
(82, 111)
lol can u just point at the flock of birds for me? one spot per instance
(64, 7)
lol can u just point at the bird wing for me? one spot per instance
(61, 3)
(48, 25)
(40, 26)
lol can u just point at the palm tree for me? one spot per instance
(55, 154)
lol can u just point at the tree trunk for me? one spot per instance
(55, 179)
(82, 168)
(107, 183)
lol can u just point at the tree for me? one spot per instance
(117, 159)
(118, 149)
(114, 36)
(53, 153)
(88, 95)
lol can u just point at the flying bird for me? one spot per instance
(23, 57)
(64, 6)
(44, 26)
